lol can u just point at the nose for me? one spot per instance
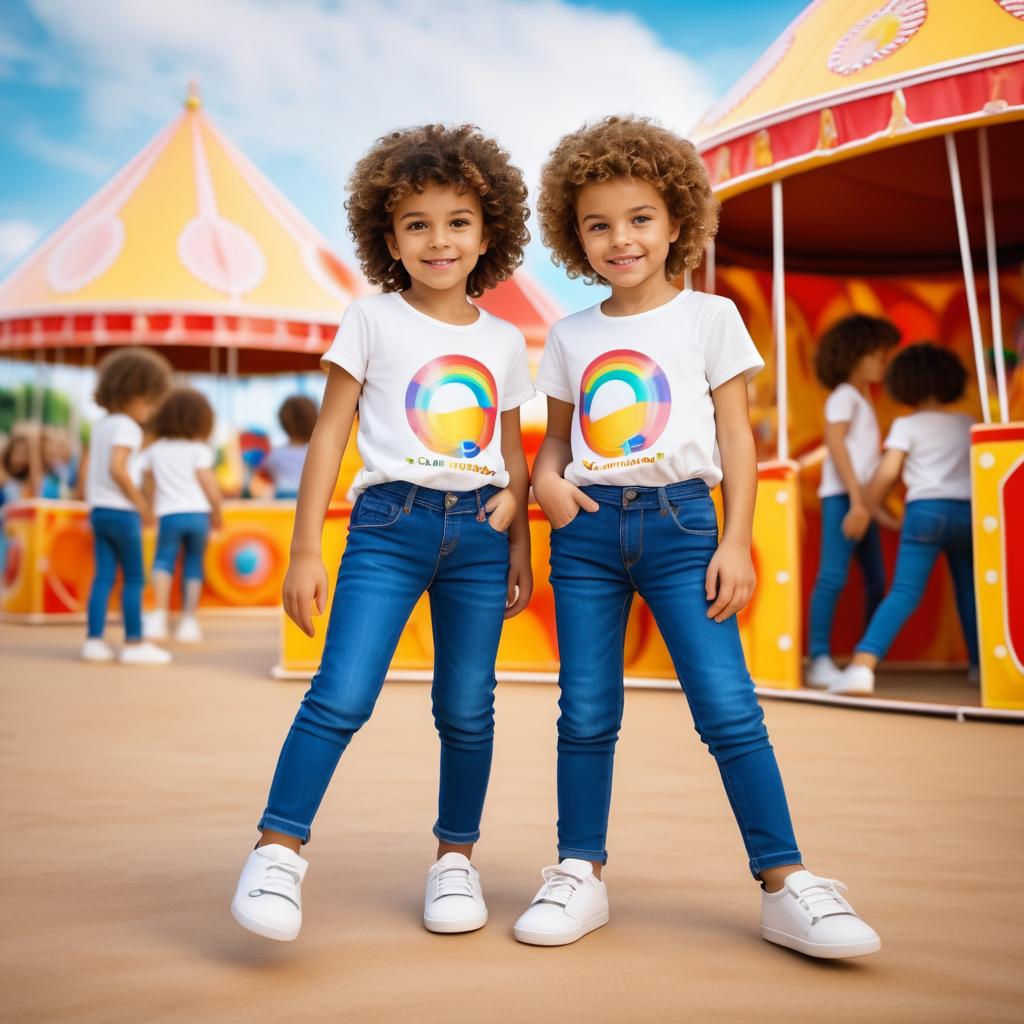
(620, 235)
(439, 240)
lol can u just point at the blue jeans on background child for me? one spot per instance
(404, 540)
(117, 541)
(182, 530)
(931, 526)
(834, 567)
(655, 541)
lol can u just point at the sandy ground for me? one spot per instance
(130, 798)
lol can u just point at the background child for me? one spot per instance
(931, 448)
(179, 470)
(852, 356)
(283, 465)
(438, 214)
(21, 465)
(131, 383)
(647, 410)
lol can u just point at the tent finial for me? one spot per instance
(193, 101)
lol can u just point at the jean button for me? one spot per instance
(450, 500)
(630, 495)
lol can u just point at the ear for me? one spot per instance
(677, 226)
(485, 243)
(392, 244)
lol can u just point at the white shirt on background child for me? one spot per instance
(938, 460)
(863, 439)
(173, 461)
(115, 430)
(433, 393)
(642, 388)
(284, 466)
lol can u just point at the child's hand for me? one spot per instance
(856, 522)
(729, 581)
(520, 579)
(502, 509)
(304, 583)
(216, 519)
(146, 511)
(560, 500)
(886, 519)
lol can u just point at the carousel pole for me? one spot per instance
(995, 305)
(779, 316)
(709, 267)
(965, 259)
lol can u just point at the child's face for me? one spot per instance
(872, 366)
(17, 455)
(438, 235)
(625, 230)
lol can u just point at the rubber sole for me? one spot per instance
(259, 928)
(817, 949)
(560, 939)
(455, 927)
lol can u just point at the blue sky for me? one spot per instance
(303, 87)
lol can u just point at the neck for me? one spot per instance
(448, 304)
(932, 405)
(652, 292)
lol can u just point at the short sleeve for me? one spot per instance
(841, 404)
(204, 457)
(518, 385)
(728, 348)
(143, 460)
(899, 435)
(351, 346)
(126, 434)
(552, 378)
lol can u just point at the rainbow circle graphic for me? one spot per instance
(634, 427)
(462, 432)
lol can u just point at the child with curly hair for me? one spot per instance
(851, 357)
(132, 381)
(438, 215)
(178, 470)
(931, 450)
(647, 411)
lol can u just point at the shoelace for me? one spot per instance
(284, 884)
(558, 887)
(823, 898)
(454, 882)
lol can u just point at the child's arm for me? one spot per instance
(520, 568)
(119, 456)
(730, 580)
(858, 519)
(559, 500)
(888, 472)
(208, 482)
(306, 579)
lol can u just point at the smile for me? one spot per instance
(625, 261)
(440, 264)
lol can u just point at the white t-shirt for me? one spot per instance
(173, 461)
(115, 430)
(433, 393)
(284, 465)
(863, 439)
(938, 447)
(642, 388)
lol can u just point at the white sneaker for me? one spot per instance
(96, 649)
(268, 899)
(145, 653)
(823, 672)
(188, 631)
(454, 901)
(154, 625)
(570, 903)
(854, 679)
(810, 915)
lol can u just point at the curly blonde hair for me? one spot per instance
(410, 160)
(626, 147)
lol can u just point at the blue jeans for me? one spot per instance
(833, 567)
(188, 531)
(117, 541)
(404, 540)
(657, 542)
(931, 526)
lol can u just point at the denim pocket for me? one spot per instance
(924, 527)
(486, 523)
(696, 516)
(373, 510)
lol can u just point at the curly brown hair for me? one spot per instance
(185, 413)
(926, 371)
(410, 160)
(847, 342)
(297, 417)
(131, 373)
(626, 147)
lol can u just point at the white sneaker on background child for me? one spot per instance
(154, 625)
(145, 653)
(810, 915)
(96, 649)
(268, 899)
(571, 902)
(823, 672)
(188, 631)
(454, 900)
(854, 679)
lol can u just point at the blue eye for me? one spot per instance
(598, 226)
(641, 218)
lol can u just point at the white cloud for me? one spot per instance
(61, 154)
(16, 238)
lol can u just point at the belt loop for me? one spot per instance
(663, 502)
(407, 507)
